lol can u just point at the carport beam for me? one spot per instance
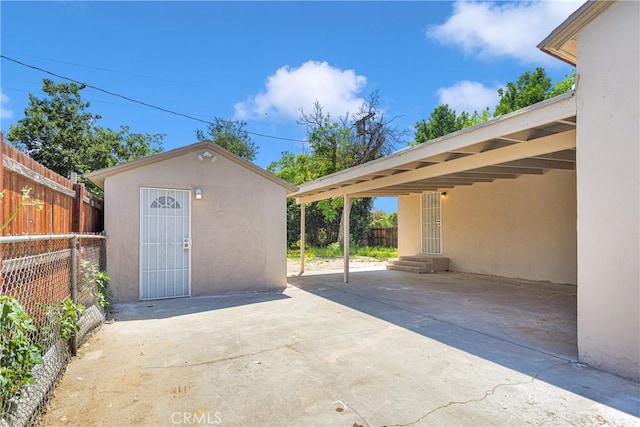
(346, 211)
(302, 236)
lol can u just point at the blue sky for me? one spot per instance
(264, 61)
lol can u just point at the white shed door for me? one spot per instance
(431, 223)
(165, 243)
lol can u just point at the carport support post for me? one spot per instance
(302, 236)
(346, 211)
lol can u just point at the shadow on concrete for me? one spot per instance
(526, 326)
(165, 308)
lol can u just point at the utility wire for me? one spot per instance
(90, 99)
(108, 92)
(102, 69)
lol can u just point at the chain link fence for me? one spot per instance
(44, 274)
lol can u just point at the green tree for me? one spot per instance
(349, 140)
(465, 120)
(530, 88)
(352, 139)
(323, 218)
(563, 86)
(59, 132)
(382, 219)
(393, 219)
(442, 121)
(328, 141)
(231, 135)
(116, 147)
(297, 169)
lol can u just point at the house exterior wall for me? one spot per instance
(238, 229)
(409, 226)
(522, 228)
(608, 191)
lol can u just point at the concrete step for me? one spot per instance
(420, 258)
(420, 264)
(407, 263)
(417, 270)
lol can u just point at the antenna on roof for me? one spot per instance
(361, 127)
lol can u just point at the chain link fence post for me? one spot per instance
(74, 287)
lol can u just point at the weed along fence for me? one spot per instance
(58, 282)
(383, 236)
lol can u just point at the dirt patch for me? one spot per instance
(333, 264)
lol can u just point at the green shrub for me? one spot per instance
(18, 355)
(70, 318)
(103, 294)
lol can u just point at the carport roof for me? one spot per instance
(529, 141)
(98, 177)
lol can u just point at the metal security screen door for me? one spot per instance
(165, 243)
(431, 223)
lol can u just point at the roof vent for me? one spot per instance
(206, 154)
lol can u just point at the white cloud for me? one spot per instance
(514, 29)
(469, 96)
(4, 114)
(290, 89)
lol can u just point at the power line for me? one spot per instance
(89, 99)
(126, 73)
(146, 104)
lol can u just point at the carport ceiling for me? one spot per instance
(531, 141)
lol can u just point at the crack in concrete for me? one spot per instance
(290, 346)
(486, 394)
(226, 359)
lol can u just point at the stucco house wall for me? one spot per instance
(409, 225)
(608, 190)
(522, 228)
(238, 228)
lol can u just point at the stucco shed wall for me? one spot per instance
(522, 228)
(608, 140)
(238, 229)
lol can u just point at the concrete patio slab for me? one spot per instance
(387, 349)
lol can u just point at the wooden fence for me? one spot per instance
(67, 207)
(383, 236)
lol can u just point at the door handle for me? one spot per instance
(186, 243)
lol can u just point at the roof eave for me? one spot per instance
(98, 177)
(561, 42)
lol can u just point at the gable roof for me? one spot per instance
(561, 43)
(98, 177)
